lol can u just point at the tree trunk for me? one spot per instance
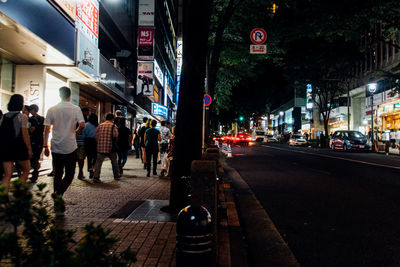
(188, 132)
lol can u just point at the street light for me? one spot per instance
(372, 89)
(281, 118)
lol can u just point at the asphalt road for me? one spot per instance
(332, 208)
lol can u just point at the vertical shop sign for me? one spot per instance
(87, 19)
(145, 79)
(145, 43)
(309, 103)
(158, 73)
(146, 12)
(87, 24)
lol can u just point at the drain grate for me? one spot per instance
(149, 210)
(127, 209)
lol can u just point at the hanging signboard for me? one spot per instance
(145, 43)
(146, 13)
(159, 110)
(87, 55)
(145, 79)
(87, 19)
(158, 73)
(309, 102)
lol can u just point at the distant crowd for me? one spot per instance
(76, 136)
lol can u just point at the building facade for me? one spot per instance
(92, 47)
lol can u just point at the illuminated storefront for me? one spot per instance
(389, 120)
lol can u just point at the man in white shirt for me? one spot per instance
(63, 117)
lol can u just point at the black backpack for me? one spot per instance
(7, 131)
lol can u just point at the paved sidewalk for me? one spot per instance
(150, 232)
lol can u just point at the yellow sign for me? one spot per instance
(69, 7)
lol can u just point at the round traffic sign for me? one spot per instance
(207, 100)
(258, 36)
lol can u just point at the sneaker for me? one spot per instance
(96, 180)
(148, 174)
(59, 204)
(81, 177)
(117, 178)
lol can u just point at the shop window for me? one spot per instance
(6, 75)
(4, 99)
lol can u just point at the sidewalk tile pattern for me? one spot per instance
(153, 240)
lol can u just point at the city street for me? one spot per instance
(332, 208)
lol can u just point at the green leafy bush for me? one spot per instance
(32, 236)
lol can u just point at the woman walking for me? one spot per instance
(15, 143)
(142, 132)
(136, 140)
(151, 139)
(89, 134)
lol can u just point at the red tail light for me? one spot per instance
(214, 138)
(241, 136)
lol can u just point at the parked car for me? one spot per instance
(349, 140)
(241, 139)
(297, 140)
(271, 139)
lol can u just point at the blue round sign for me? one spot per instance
(207, 100)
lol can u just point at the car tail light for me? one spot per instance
(214, 138)
(241, 136)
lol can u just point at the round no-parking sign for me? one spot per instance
(207, 100)
(258, 36)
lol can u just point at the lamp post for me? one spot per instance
(372, 89)
(281, 117)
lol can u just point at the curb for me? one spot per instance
(266, 246)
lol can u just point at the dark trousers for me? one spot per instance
(151, 152)
(35, 165)
(61, 162)
(136, 144)
(91, 152)
(122, 157)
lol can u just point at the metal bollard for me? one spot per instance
(194, 237)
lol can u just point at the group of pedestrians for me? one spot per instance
(153, 144)
(76, 136)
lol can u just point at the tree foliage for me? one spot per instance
(42, 242)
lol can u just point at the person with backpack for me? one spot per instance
(14, 141)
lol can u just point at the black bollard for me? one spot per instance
(194, 237)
